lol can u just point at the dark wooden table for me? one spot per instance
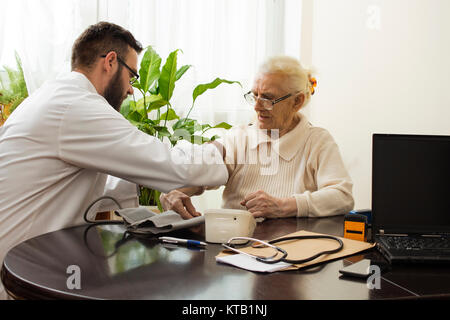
(116, 267)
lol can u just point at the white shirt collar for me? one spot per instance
(79, 79)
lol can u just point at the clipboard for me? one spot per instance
(297, 250)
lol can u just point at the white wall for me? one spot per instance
(383, 66)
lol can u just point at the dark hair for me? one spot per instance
(99, 39)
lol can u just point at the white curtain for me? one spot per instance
(42, 32)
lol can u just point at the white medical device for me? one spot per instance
(223, 224)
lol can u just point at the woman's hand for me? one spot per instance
(261, 204)
(179, 202)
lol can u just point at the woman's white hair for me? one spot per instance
(291, 67)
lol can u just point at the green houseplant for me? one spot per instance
(12, 91)
(156, 86)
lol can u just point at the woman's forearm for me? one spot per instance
(288, 207)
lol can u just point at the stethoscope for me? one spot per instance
(272, 259)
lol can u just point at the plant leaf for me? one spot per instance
(171, 115)
(184, 122)
(145, 127)
(15, 90)
(189, 125)
(180, 134)
(178, 124)
(214, 137)
(156, 102)
(201, 88)
(150, 121)
(195, 139)
(163, 131)
(137, 85)
(125, 107)
(154, 90)
(223, 125)
(149, 71)
(135, 116)
(174, 139)
(181, 71)
(139, 107)
(205, 126)
(166, 82)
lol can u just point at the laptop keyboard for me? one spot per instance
(418, 243)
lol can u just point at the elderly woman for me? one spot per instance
(282, 166)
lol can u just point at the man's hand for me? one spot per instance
(179, 202)
(261, 204)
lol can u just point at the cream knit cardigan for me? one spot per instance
(305, 163)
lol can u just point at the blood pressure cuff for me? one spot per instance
(143, 221)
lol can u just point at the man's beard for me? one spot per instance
(114, 91)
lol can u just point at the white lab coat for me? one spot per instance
(62, 144)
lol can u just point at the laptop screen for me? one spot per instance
(411, 183)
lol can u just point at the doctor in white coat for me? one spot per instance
(67, 145)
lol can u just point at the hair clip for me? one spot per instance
(313, 83)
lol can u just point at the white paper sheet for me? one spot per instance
(245, 262)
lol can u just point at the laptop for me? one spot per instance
(411, 197)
